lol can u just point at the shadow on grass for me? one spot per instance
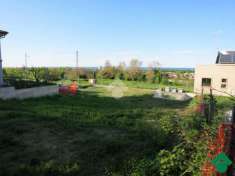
(92, 99)
(97, 132)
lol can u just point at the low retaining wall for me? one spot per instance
(7, 92)
(11, 92)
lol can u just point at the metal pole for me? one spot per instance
(211, 107)
(77, 59)
(25, 60)
(1, 71)
(77, 67)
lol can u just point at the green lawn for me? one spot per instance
(88, 134)
(186, 85)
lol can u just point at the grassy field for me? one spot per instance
(88, 134)
(186, 85)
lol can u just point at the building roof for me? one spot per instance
(225, 57)
(3, 33)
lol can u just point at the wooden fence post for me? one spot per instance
(211, 107)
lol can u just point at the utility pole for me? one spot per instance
(25, 65)
(77, 66)
(26, 60)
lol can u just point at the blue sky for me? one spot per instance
(180, 33)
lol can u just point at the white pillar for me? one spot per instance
(1, 71)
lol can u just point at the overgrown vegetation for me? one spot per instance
(94, 134)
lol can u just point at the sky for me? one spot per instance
(180, 33)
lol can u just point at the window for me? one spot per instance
(226, 59)
(206, 81)
(224, 83)
(224, 80)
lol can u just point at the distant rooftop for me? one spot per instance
(3, 33)
(225, 57)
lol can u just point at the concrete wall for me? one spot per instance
(11, 92)
(216, 72)
(7, 92)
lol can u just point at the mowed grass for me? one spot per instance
(92, 129)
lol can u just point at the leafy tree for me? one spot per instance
(158, 76)
(108, 71)
(71, 74)
(15, 73)
(150, 74)
(155, 65)
(39, 74)
(121, 70)
(55, 74)
(134, 71)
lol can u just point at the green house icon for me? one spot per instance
(221, 162)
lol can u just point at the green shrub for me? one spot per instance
(49, 168)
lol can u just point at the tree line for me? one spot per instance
(133, 71)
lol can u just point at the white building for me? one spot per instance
(220, 77)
